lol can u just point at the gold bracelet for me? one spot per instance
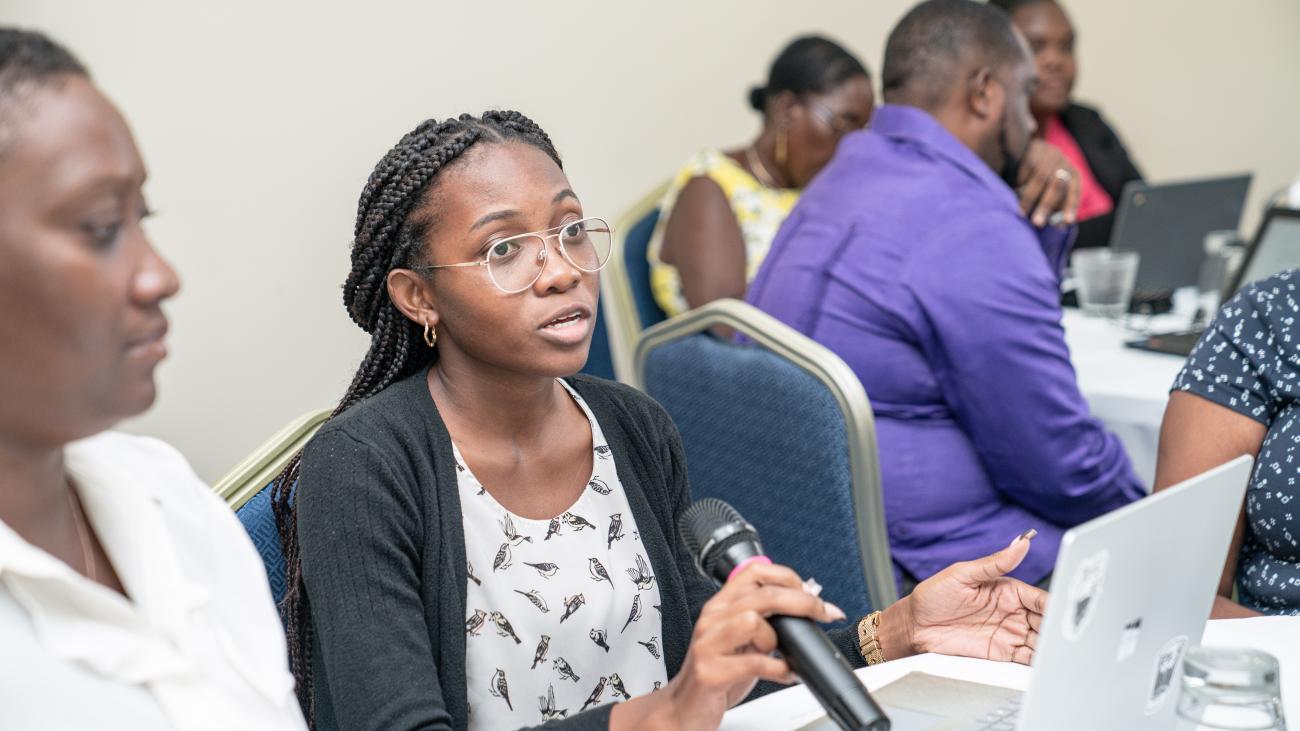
(868, 642)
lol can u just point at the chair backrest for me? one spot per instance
(626, 300)
(780, 428)
(247, 490)
(600, 355)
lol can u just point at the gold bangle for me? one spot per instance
(868, 642)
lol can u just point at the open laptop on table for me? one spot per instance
(1276, 248)
(1131, 591)
(1166, 224)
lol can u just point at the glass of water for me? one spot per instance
(1226, 688)
(1105, 278)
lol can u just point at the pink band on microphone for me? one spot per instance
(745, 564)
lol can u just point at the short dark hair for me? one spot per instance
(809, 64)
(937, 39)
(29, 60)
(1011, 6)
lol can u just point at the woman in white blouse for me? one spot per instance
(130, 597)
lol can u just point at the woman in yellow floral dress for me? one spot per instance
(723, 208)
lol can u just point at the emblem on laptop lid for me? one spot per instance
(1128, 640)
(1084, 594)
(1165, 674)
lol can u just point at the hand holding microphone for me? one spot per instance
(728, 550)
(731, 647)
(971, 608)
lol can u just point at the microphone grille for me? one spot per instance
(702, 518)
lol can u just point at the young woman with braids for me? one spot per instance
(130, 597)
(480, 539)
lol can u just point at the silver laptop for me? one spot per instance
(1131, 591)
(1166, 223)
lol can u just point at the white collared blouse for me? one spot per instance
(198, 645)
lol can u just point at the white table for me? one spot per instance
(1127, 389)
(793, 707)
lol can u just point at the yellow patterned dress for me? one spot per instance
(759, 211)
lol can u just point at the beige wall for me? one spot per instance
(260, 123)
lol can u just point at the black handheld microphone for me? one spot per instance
(721, 541)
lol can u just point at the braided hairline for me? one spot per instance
(386, 236)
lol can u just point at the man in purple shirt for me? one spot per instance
(910, 258)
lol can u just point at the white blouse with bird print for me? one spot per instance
(561, 615)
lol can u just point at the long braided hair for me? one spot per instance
(387, 236)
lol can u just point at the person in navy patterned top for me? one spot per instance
(1239, 393)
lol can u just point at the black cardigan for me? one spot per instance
(1110, 164)
(383, 554)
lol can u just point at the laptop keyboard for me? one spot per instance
(1002, 718)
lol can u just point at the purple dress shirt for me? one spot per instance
(909, 258)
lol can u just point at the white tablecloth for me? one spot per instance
(1126, 388)
(793, 707)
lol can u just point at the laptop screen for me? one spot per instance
(1278, 249)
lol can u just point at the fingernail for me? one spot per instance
(836, 613)
(1027, 535)
(812, 587)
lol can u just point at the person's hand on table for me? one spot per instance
(1048, 186)
(970, 609)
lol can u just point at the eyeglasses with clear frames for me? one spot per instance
(514, 264)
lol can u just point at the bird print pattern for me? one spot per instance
(535, 597)
(634, 615)
(641, 575)
(545, 570)
(474, 624)
(512, 536)
(502, 561)
(598, 571)
(616, 684)
(557, 634)
(546, 705)
(571, 605)
(503, 627)
(500, 689)
(594, 698)
(615, 529)
(562, 667)
(652, 647)
(543, 645)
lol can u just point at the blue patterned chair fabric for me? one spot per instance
(768, 438)
(638, 269)
(600, 361)
(259, 521)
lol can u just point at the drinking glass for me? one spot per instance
(1105, 278)
(1229, 688)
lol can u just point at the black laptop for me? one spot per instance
(1166, 224)
(1276, 248)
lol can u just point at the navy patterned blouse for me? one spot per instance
(1248, 362)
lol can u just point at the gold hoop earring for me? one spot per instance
(781, 151)
(430, 336)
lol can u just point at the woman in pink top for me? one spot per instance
(1079, 132)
